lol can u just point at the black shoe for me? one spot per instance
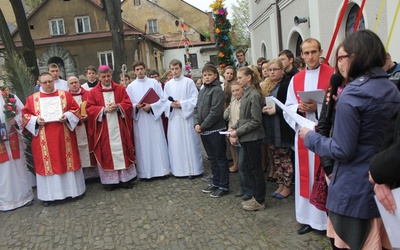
(209, 189)
(305, 229)
(206, 178)
(238, 194)
(29, 203)
(111, 187)
(192, 177)
(48, 203)
(246, 198)
(219, 193)
(79, 197)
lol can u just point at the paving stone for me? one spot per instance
(158, 214)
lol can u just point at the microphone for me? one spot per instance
(170, 98)
(336, 81)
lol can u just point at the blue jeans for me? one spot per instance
(215, 146)
(246, 178)
(252, 152)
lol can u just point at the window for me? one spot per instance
(136, 2)
(57, 27)
(106, 58)
(152, 26)
(214, 59)
(192, 60)
(82, 24)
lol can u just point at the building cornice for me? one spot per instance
(283, 3)
(262, 18)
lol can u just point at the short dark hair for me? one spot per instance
(44, 73)
(175, 62)
(240, 51)
(366, 51)
(261, 59)
(90, 67)
(52, 65)
(154, 72)
(310, 40)
(210, 68)
(138, 63)
(287, 53)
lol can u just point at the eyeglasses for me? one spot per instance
(339, 58)
(273, 70)
(46, 82)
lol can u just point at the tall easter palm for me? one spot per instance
(18, 76)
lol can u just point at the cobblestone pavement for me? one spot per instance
(157, 214)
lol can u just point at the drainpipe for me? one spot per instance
(279, 24)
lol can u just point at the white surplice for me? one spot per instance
(184, 148)
(306, 213)
(89, 170)
(15, 180)
(150, 143)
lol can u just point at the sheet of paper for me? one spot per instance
(316, 95)
(300, 120)
(392, 221)
(269, 101)
(224, 132)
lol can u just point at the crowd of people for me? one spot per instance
(120, 131)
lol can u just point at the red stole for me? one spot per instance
(14, 146)
(325, 74)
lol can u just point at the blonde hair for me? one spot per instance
(254, 81)
(267, 85)
(257, 74)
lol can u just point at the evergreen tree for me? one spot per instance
(222, 28)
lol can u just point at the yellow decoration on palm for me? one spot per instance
(217, 5)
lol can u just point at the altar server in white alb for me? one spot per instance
(15, 184)
(183, 142)
(150, 143)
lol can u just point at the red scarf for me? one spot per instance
(325, 74)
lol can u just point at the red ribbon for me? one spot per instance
(359, 15)
(337, 29)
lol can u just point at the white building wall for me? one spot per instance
(323, 16)
(179, 53)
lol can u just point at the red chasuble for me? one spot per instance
(54, 149)
(84, 96)
(325, 74)
(112, 152)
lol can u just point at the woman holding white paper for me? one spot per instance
(278, 131)
(363, 110)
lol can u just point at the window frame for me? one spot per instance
(58, 27)
(83, 24)
(106, 52)
(156, 26)
(194, 64)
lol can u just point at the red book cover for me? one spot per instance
(150, 97)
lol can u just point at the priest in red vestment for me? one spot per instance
(110, 124)
(85, 142)
(51, 116)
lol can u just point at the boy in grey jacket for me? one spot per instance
(209, 121)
